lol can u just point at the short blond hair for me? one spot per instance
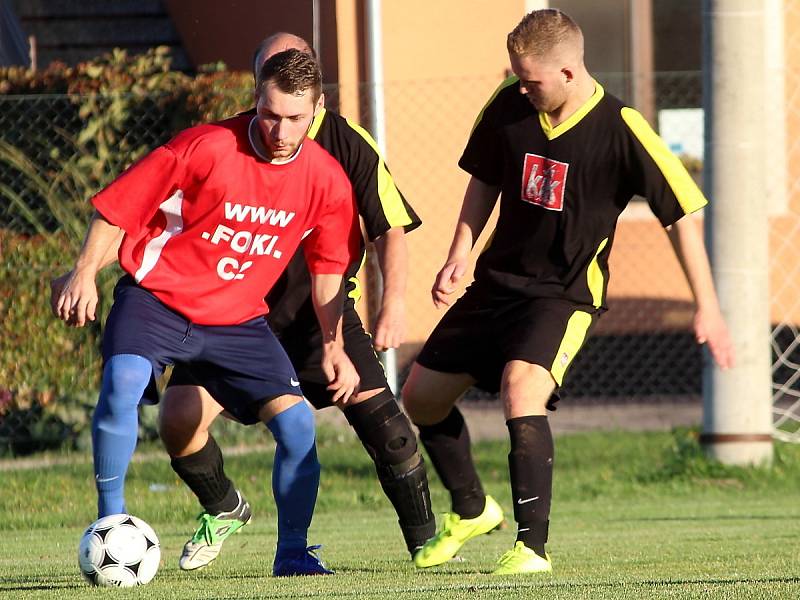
(542, 33)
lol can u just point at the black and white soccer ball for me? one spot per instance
(119, 551)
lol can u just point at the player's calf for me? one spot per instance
(387, 436)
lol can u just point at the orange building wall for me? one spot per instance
(442, 60)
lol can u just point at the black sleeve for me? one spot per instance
(380, 203)
(656, 173)
(483, 155)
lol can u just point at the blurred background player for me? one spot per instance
(373, 413)
(567, 158)
(210, 221)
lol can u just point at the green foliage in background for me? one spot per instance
(106, 114)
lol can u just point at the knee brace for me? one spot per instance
(387, 436)
(385, 432)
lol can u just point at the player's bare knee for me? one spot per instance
(525, 389)
(181, 420)
(429, 396)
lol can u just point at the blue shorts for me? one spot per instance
(244, 365)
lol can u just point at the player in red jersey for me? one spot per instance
(208, 222)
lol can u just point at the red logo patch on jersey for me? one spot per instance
(543, 181)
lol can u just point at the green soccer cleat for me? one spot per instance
(521, 559)
(207, 541)
(455, 532)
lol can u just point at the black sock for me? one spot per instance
(448, 445)
(203, 472)
(530, 463)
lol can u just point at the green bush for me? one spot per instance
(54, 156)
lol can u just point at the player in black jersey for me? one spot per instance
(565, 158)
(374, 414)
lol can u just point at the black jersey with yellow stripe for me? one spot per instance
(380, 205)
(563, 189)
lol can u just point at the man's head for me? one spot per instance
(546, 53)
(278, 42)
(288, 94)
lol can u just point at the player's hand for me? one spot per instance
(390, 330)
(76, 302)
(56, 287)
(340, 372)
(447, 280)
(710, 328)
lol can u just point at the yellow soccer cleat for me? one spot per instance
(521, 559)
(455, 532)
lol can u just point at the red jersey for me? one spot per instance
(210, 225)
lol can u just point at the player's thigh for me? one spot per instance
(185, 415)
(244, 367)
(303, 343)
(140, 324)
(272, 407)
(525, 389)
(540, 340)
(429, 396)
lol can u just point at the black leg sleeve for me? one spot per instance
(448, 445)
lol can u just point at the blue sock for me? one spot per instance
(295, 475)
(115, 427)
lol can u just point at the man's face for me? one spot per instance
(283, 120)
(543, 83)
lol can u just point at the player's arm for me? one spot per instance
(327, 295)
(390, 329)
(387, 217)
(77, 301)
(57, 284)
(671, 193)
(479, 200)
(709, 324)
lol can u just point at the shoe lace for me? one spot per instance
(512, 556)
(449, 521)
(311, 553)
(206, 530)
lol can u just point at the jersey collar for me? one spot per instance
(553, 132)
(316, 124)
(252, 129)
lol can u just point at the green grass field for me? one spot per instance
(635, 515)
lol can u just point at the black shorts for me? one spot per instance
(485, 330)
(243, 365)
(302, 340)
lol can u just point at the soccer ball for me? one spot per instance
(119, 551)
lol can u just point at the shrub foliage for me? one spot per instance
(67, 132)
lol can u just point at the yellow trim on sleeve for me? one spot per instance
(316, 123)
(391, 201)
(683, 186)
(489, 241)
(594, 277)
(553, 132)
(356, 293)
(577, 328)
(507, 82)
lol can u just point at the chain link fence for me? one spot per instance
(643, 350)
(784, 246)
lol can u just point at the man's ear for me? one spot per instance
(568, 74)
(320, 104)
